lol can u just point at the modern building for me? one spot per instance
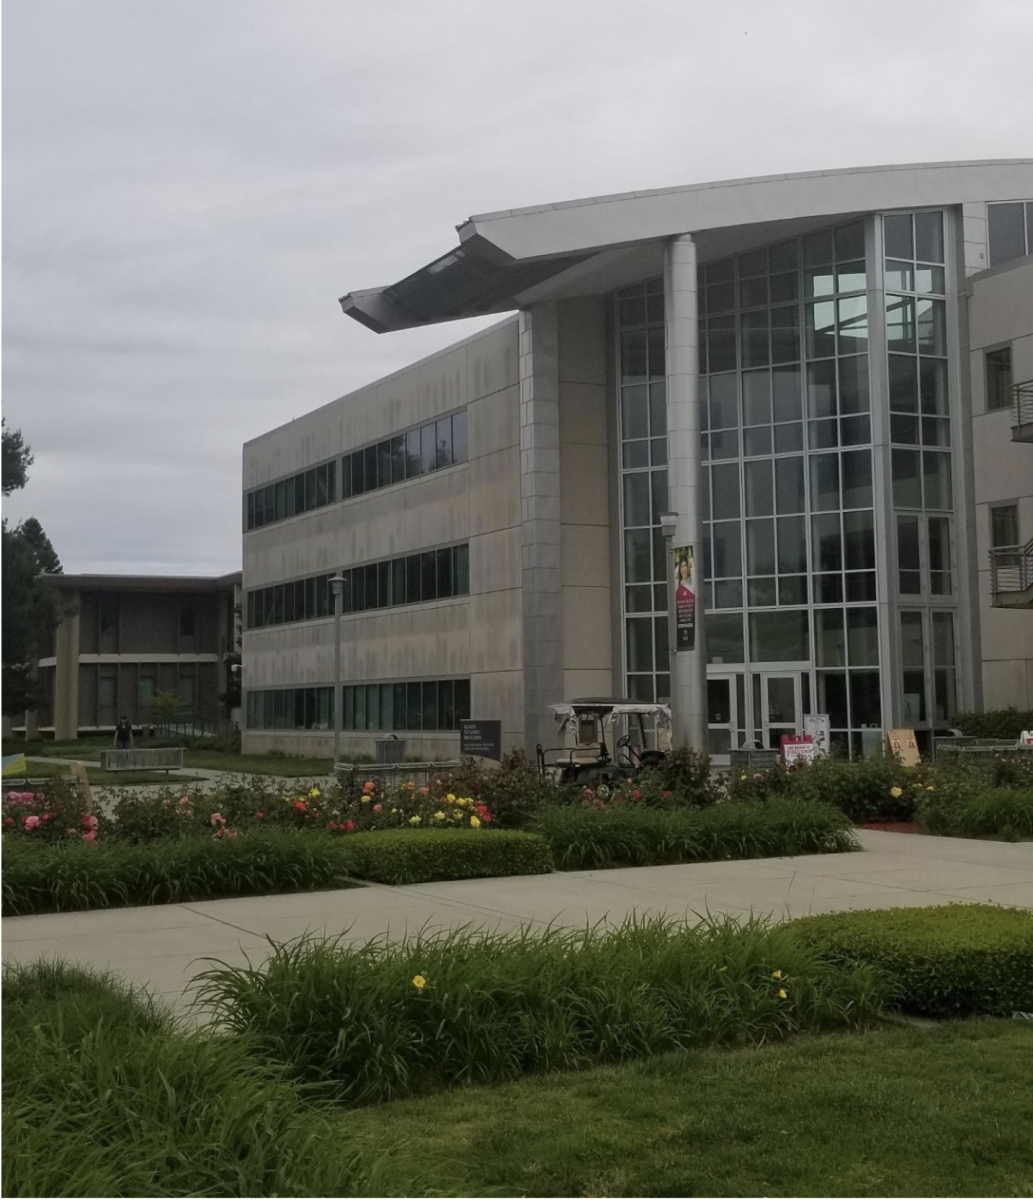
(124, 638)
(821, 378)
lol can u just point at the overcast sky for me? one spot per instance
(189, 185)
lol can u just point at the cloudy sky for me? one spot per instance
(189, 185)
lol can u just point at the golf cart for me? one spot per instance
(586, 725)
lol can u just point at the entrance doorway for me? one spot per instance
(726, 703)
(778, 705)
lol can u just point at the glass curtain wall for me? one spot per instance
(921, 439)
(789, 544)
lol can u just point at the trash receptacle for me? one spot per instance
(390, 750)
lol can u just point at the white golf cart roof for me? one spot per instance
(609, 708)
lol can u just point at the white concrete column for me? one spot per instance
(684, 476)
(542, 606)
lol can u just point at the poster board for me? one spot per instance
(481, 739)
(819, 726)
(903, 745)
(797, 748)
(1026, 739)
(685, 586)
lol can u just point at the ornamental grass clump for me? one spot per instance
(104, 1094)
(631, 836)
(1004, 813)
(387, 1019)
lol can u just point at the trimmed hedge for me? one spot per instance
(70, 876)
(589, 838)
(961, 960)
(998, 723)
(422, 856)
(998, 813)
(388, 1019)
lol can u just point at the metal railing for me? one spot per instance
(1011, 568)
(1022, 406)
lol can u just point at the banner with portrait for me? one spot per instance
(684, 598)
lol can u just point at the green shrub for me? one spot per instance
(421, 856)
(588, 838)
(65, 878)
(879, 788)
(105, 1096)
(939, 962)
(686, 775)
(387, 1019)
(998, 723)
(999, 812)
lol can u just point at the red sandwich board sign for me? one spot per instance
(797, 748)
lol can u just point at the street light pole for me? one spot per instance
(337, 588)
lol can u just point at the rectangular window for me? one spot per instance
(908, 556)
(1004, 526)
(998, 378)
(459, 442)
(1010, 230)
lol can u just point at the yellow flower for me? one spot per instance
(365, 799)
(439, 816)
(450, 798)
(414, 820)
(466, 802)
(776, 974)
(314, 793)
(930, 788)
(419, 983)
(896, 793)
(475, 823)
(782, 994)
(456, 815)
(742, 777)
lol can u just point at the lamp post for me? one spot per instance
(337, 589)
(669, 527)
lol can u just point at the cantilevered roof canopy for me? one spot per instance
(508, 259)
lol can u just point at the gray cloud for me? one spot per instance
(188, 187)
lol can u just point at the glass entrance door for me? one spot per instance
(781, 707)
(725, 701)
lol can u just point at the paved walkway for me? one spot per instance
(161, 945)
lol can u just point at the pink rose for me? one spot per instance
(378, 807)
(30, 822)
(91, 836)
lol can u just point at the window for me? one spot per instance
(998, 378)
(1004, 526)
(432, 575)
(289, 497)
(108, 615)
(1010, 230)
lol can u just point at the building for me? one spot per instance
(123, 638)
(795, 367)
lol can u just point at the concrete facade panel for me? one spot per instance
(495, 561)
(495, 422)
(586, 556)
(494, 491)
(586, 629)
(585, 491)
(495, 632)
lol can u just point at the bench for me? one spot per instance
(162, 758)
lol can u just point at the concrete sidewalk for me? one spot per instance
(160, 946)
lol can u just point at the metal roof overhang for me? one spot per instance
(509, 259)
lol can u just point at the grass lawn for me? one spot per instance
(214, 760)
(894, 1112)
(40, 768)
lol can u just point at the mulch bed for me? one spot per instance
(890, 826)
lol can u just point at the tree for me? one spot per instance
(31, 612)
(31, 615)
(46, 555)
(17, 458)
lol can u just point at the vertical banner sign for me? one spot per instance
(684, 599)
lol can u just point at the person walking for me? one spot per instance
(124, 736)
